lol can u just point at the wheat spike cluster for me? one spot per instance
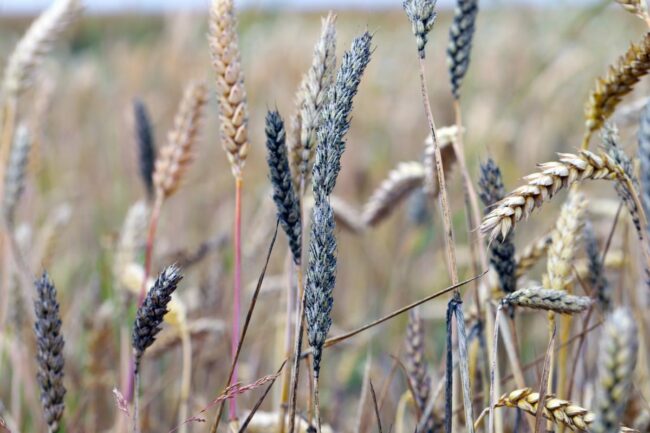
(557, 301)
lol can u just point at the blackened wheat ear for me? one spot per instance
(459, 49)
(152, 311)
(49, 355)
(502, 250)
(144, 138)
(284, 194)
(596, 275)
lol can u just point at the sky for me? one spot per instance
(32, 6)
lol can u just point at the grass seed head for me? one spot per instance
(422, 15)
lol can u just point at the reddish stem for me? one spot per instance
(236, 314)
(151, 236)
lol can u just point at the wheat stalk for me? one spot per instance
(563, 246)
(544, 184)
(312, 95)
(36, 43)
(618, 82)
(557, 301)
(231, 92)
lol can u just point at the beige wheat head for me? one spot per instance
(532, 254)
(310, 100)
(636, 7)
(557, 301)
(231, 93)
(36, 43)
(542, 186)
(176, 156)
(568, 229)
(445, 138)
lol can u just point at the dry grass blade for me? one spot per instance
(544, 184)
(568, 230)
(558, 301)
(231, 93)
(176, 156)
(618, 82)
(36, 43)
(554, 409)
(312, 96)
(400, 183)
(532, 254)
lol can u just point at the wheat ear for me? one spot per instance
(49, 355)
(556, 301)
(596, 273)
(568, 230)
(231, 93)
(459, 48)
(618, 82)
(175, 157)
(542, 186)
(559, 411)
(618, 355)
(312, 95)
(14, 181)
(636, 7)
(36, 43)
(144, 138)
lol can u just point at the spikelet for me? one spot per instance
(231, 93)
(532, 254)
(445, 138)
(422, 15)
(49, 355)
(144, 138)
(459, 48)
(558, 301)
(618, 82)
(596, 275)
(618, 355)
(14, 182)
(176, 156)
(311, 99)
(36, 43)
(401, 182)
(568, 229)
(555, 409)
(543, 185)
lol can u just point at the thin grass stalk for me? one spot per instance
(299, 321)
(236, 314)
(186, 376)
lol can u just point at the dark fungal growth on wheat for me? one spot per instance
(284, 194)
(49, 355)
(146, 145)
(502, 251)
(336, 116)
(422, 16)
(459, 49)
(152, 311)
(321, 278)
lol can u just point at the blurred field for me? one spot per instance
(523, 99)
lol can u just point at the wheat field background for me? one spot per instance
(523, 98)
